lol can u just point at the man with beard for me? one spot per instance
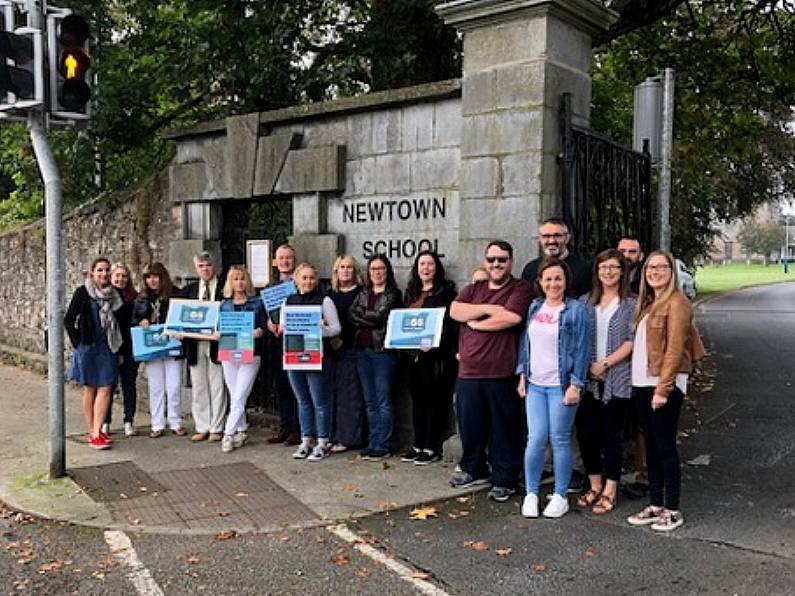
(489, 412)
(553, 240)
(630, 248)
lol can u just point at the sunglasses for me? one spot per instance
(502, 260)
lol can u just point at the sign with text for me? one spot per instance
(303, 339)
(237, 337)
(274, 296)
(192, 318)
(151, 343)
(414, 328)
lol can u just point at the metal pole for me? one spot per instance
(53, 212)
(666, 148)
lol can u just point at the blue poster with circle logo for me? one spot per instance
(414, 328)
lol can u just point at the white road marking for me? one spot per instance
(122, 549)
(402, 570)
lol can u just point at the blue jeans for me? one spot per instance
(548, 420)
(313, 391)
(376, 370)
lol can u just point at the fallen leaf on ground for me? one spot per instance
(53, 566)
(98, 575)
(194, 559)
(340, 558)
(423, 513)
(241, 494)
(385, 465)
(349, 488)
(463, 499)
(416, 574)
(225, 536)
(591, 552)
(477, 545)
(454, 515)
(361, 572)
(387, 506)
(539, 568)
(503, 552)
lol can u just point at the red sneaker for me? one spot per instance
(106, 436)
(99, 442)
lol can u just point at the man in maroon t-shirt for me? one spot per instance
(489, 410)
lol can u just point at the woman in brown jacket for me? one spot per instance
(665, 348)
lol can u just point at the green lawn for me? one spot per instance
(713, 279)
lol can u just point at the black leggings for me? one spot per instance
(599, 431)
(662, 457)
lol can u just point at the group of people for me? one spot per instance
(568, 345)
(587, 351)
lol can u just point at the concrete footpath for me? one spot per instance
(171, 485)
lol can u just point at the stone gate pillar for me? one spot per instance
(519, 57)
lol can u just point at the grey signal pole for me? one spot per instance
(53, 213)
(666, 149)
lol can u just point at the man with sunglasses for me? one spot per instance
(489, 414)
(553, 240)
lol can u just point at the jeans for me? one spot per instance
(662, 457)
(128, 374)
(312, 389)
(599, 431)
(490, 422)
(376, 370)
(548, 420)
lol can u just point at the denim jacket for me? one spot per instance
(574, 343)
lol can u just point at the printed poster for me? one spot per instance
(303, 340)
(414, 328)
(192, 318)
(152, 343)
(274, 296)
(236, 343)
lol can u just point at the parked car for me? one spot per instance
(687, 279)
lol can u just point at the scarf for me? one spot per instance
(109, 301)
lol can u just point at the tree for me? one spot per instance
(734, 86)
(761, 238)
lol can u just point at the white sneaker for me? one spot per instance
(129, 429)
(318, 453)
(530, 505)
(239, 438)
(227, 444)
(668, 521)
(106, 428)
(557, 506)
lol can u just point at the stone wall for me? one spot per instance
(134, 227)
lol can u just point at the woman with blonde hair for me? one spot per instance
(121, 278)
(313, 387)
(665, 348)
(239, 377)
(96, 337)
(347, 402)
(164, 374)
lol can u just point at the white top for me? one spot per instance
(640, 362)
(332, 326)
(542, 333)
(603, 316)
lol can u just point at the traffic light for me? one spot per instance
(69, 62)
(21, 68)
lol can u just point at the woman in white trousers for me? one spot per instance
(240, 376)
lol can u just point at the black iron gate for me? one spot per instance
(606, 188)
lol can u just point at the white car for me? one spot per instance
(687, 280)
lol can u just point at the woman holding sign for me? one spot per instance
(239, 375)
(312, 387)
(96, 337)
(369, 314)
(432, 372)
(164, 374)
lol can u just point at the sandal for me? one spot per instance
(587, 499)
(605, 504)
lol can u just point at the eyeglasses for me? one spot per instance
(662, 267)
(502, 260)
(609, 267)
(552, 236)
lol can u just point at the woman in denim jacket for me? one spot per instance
(554, 354)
